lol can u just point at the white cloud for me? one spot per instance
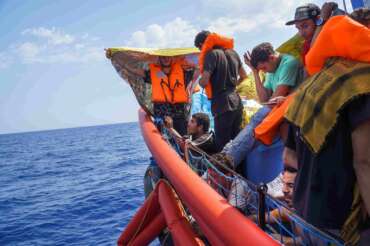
(53, 36)
(272, 13)
(229, 26)
(55, 46)
(138, 39)
(235, 17)
(29, 51)
(176, 33)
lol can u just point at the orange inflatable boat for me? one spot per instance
(221, 223)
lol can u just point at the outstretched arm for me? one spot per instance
(191, 86)
(137, 71)
(204, 79)
(168, 123)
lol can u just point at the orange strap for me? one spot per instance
(168, 89)
(268, 129)
(340, 37)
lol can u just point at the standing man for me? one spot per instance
(222, 71)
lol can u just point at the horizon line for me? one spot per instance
(56, 129)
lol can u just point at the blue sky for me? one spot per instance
(53, 72)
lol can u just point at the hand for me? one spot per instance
(188, 141)
(108, 53)
(181, 141)
(168, 122)
(327, 9)
(247, 61)
(277, 100)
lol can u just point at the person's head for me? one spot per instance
(165, 61)
(362, 15)
(289, 175)
(263, 57)
(305, 20)
(198, 124)
(200, 38)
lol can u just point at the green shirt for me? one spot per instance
(285, 74)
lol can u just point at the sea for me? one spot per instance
(77, 186)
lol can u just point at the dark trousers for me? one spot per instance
(178, 112)
(227, 126)
(180, 125)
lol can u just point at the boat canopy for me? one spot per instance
(155, 52)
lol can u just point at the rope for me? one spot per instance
(209, 162)
(140, 225)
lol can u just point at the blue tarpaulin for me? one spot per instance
(360, 3)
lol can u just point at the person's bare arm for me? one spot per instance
(325, 13)
(361, 160)
(290, 158)
(242, 75)
(192, 84)
(262, 93)
(281, 91)
(168, 123)
(137, 71)
(204, 79)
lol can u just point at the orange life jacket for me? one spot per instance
(269, 127)
(340, 37)
(168, 89)
(211, 41)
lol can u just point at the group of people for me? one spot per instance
(319, 103)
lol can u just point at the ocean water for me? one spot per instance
(75, 186)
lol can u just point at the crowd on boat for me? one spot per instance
(317, 101)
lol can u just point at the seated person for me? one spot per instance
(198, 134)
(282, 74)
(280, 188)
(288, 177)
(284, 182)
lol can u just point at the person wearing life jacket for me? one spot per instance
(308, 20)
(169, 78)
(221, 71)
(282, 74)
(329, 131)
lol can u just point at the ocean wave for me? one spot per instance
(75, 186)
